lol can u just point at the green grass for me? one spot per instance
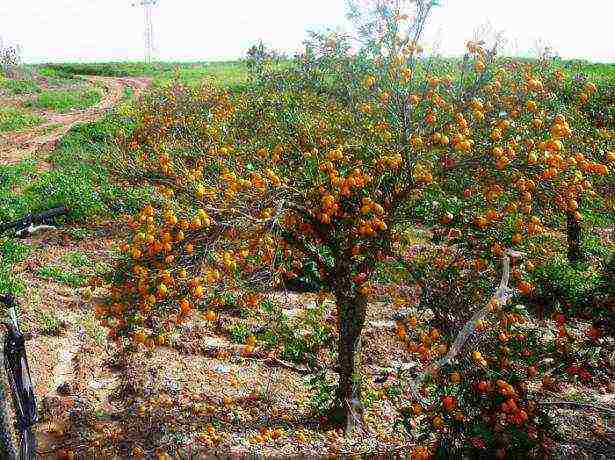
(79, 234)
(234, 73)
(63, 101)
(62, 276)
(239, 333)
(16, 87)
(93, 329)
(597, 72)
(51, 72)
(78, 179)
(14, 251)
(102, 268)
(50, 324)
(11, 252)
(127, 93)
(76, 259)
(15, 119)
(13, 177)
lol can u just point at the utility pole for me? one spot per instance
(148, 6)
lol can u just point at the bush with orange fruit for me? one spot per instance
(327, 163)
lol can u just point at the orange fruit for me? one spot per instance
(525, 287)
(449, 402)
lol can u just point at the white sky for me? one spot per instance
(103, 30)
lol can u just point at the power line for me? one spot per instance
(148, 6)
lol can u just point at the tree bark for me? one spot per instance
(573, 236)
(348, 410)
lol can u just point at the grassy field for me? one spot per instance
(17, 87)
(77, 178)
(601, 73)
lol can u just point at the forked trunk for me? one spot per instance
(348, 409)
(573, 236)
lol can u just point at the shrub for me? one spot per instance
(479, 405)
(261, 59)
(61, 276)
(572, 287)
(50, 324)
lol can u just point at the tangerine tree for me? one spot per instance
(327, 163)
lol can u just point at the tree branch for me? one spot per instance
(580, 405)
(500, 297)
(302, 246)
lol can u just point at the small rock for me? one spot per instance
(383, 324)
(222, 369)
(404, 366)
(99, 384)
(171, 385)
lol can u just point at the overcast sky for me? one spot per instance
(97, 30)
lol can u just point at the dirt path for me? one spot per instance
(16, 146)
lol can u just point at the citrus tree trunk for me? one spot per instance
(348, 409)
(573, 236)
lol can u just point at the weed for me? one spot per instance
(76, 259)
(93, 329)
(52, 72)
(102, 268)
(11, 252)
(50, 324)
(64, 101)
(8, 283)
(78, 233)
(61, 276)
(14, 119)
(128, 93)
(15, 87)
(239, 332)
(323, 388)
